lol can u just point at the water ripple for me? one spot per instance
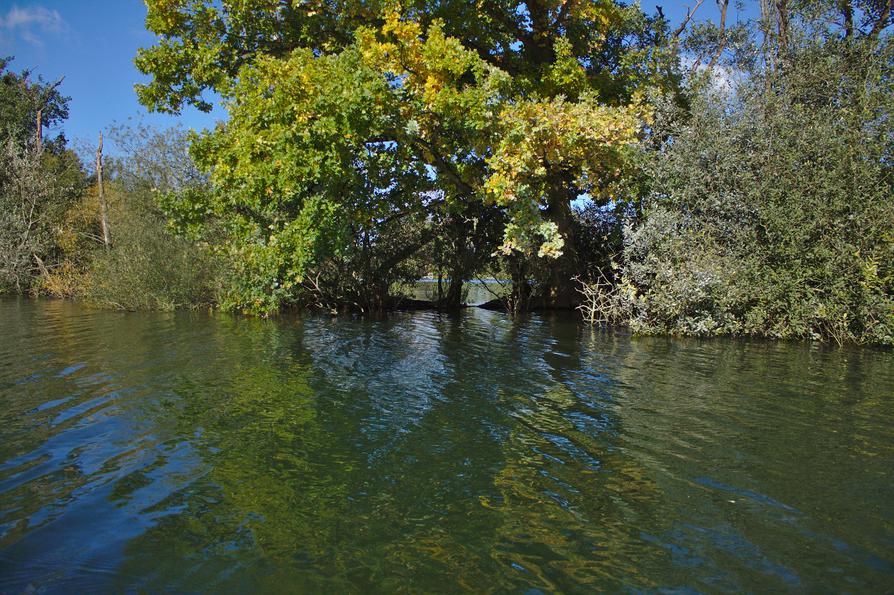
(188, 452)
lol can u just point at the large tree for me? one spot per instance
(346, 114)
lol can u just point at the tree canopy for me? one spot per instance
(344, 112)
(21, 97)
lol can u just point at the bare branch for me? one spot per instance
(103, 209)
(689, 14)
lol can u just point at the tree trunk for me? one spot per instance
(561, 293)
(103, 209)
(453, 300)
(721, 44)
(459, 265)
(766, 45)
(520, 298)
(847, 14)
(782, 19)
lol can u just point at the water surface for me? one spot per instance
(429, 453)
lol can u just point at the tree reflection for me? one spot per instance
(434, 453)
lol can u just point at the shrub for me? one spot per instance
(36, 186)
(772, 210)
(148, 267)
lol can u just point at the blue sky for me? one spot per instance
(93, 42)
(676, 9)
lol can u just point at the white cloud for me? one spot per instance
(723, 78)
(31, 23)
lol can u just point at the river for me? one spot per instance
(197, 452)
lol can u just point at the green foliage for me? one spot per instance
(151, 264)
(301, 169)
(204, 44)
(148, 268)
(346, 115)
(772, 212)
(154, 159)
(584, 140)
(36, 188)
(21, 98)
(37, 182)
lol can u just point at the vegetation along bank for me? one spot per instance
(696, 178)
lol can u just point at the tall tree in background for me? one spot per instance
(346, 113)
(22, 98)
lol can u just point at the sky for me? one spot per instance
(93, 43)
(675, 10)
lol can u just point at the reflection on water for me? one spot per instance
(434, 453)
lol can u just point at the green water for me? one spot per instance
(427, 453)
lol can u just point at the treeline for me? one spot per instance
(697, 178)
(51, 237)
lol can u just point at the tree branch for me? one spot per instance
(882, 20)
(689, 14)
(444, 167)
(721, 43)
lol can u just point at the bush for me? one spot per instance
(152, 263)
(36, 186)
(148, 267)
(772, 212)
